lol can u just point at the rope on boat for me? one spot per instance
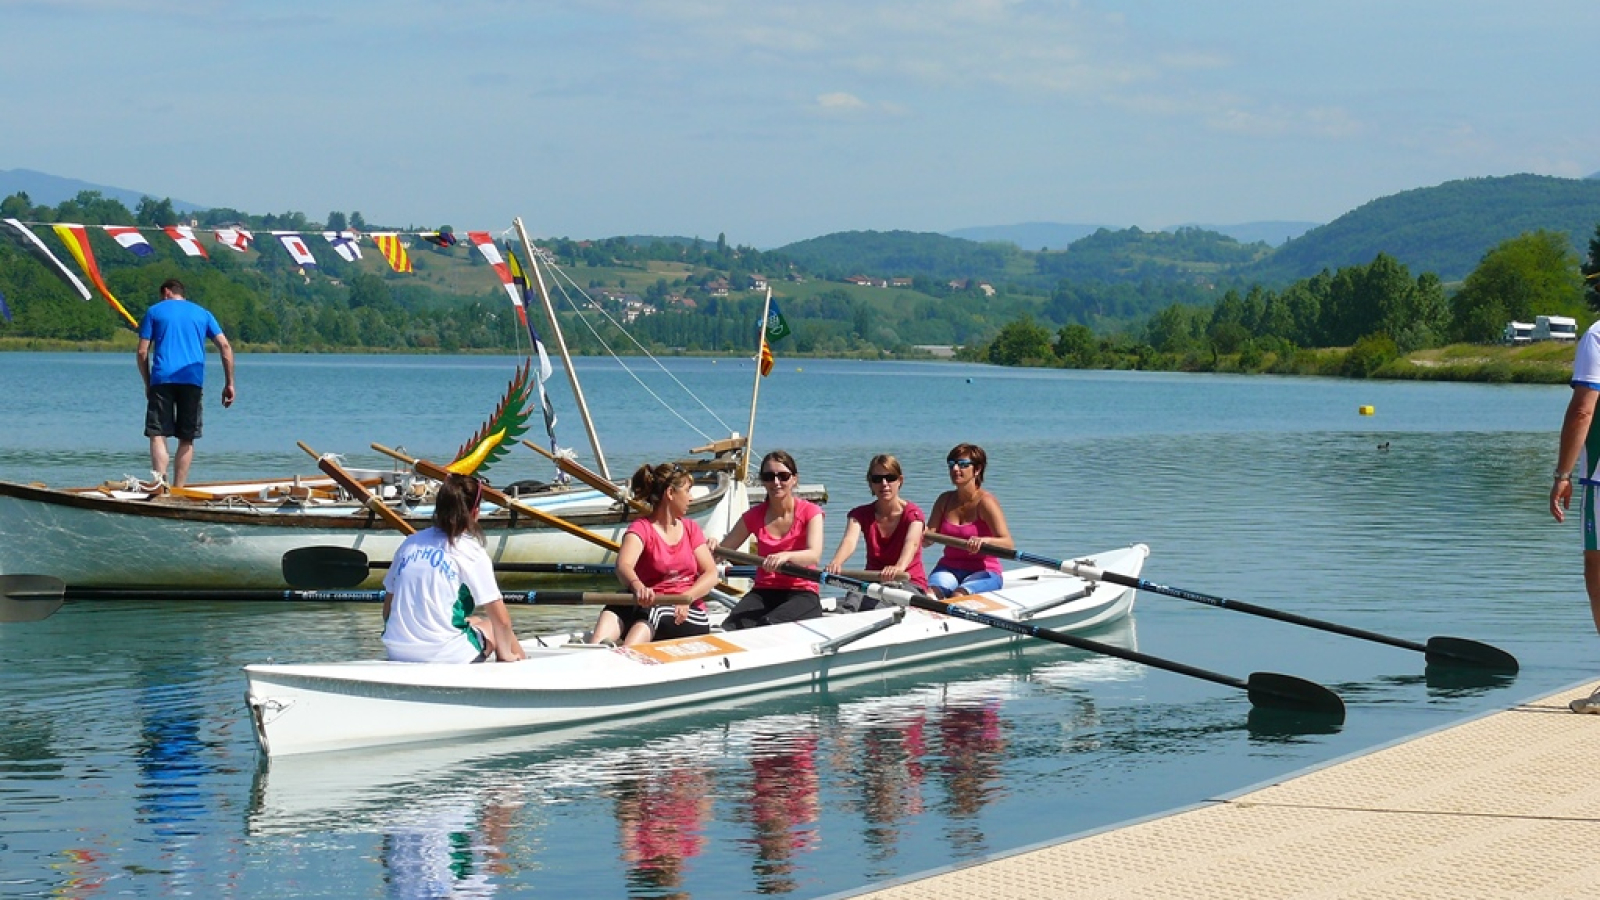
(589, 302)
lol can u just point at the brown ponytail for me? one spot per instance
(455, 506)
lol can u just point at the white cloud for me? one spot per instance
(840, 102)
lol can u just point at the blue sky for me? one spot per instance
(778, 121)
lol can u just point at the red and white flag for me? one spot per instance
(183, 236)
(485, 245)
(130, 238)
(235, 238)
(345, 243)
(296, 245)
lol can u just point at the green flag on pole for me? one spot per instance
(777, 328)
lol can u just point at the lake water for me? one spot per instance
(128, 764)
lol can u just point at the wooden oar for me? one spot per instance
(1263, 688)
(359, 491)
(29, 598)
(591, 478)
(438, 473)
(1443, 650)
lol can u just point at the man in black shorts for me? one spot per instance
(172, 361)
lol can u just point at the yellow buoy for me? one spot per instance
(1365, 410)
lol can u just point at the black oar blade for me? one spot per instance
(1289, 692)
(29, 598)
(325, 567)
(1454, 651)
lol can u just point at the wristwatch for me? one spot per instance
(1562, 476)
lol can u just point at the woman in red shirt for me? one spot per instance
(787, 529)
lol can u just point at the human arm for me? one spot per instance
(225, 350)
(1574, 430)
(142, 355)
(847, 545)
(735, 539)
(506, 646)
(627, 569)
(707, 565)
(908, 552)
(936, 517)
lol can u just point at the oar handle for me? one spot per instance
(898, 596)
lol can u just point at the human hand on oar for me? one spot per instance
(29, 598)
(1263, 688)
(358, 491)
(1443, 650)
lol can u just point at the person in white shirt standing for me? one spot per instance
(440, 582)
(1580, 447)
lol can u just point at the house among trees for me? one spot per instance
(758, 282)
(900, 282)
(717, 287)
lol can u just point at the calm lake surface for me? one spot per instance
(128, 765)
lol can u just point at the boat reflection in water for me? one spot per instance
(693, 798)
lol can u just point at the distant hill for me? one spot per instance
(889, 254)
(1271, 233)
(1444, 229)
(1029, 235)
(50, 190)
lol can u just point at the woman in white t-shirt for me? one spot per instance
(440, 579)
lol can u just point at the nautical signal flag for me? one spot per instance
(766, 358)
(393, 251)
(76, 237)
(444, 237)
(777, 325)
(29, 243)
(485, 245)
(130, 239)
(183, 236)
(345, 243)
(296, 245)
(234, 238)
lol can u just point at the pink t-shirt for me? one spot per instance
(885, 551)
(958, 558)
(755, 522)
(663, 567)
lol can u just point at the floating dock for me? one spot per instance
(1506, 805)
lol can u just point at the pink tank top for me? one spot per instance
(957, 557)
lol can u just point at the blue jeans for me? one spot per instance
(973, 581)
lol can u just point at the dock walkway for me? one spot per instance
(1507, 805)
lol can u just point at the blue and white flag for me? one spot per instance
(345, 243)
(130, 239)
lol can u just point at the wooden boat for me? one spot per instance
(313, 708)
(236, 533)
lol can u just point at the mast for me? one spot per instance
(755, 392)
(561, 347)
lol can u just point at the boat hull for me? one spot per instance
(301, 709)
(98, 538)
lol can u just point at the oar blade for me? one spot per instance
(1288, 692)
(322, 568)
(1453, 651)
(29, 598)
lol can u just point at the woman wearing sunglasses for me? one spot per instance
(662, 553)
(787, 529)
(972, 513)
(892, 526)
(441, 576)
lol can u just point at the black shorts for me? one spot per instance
(173, 410)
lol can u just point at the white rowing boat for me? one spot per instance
(316, 708)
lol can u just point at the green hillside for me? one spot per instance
(1444, 229)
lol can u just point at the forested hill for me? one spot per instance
(888, 254)
(1444, 229)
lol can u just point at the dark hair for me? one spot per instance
(650, 483)
(175, 286)
(980, 460)
(782, 457)
(455, 506)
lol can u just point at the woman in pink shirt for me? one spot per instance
(891, 524)
(787, 529)
(664, 552)
(972, 513)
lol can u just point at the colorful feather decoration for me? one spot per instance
(509, 422)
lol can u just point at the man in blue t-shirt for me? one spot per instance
(172, 361)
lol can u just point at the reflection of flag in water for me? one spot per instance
(296, 245)
(766, 358)
(393, 251)
(76, 237)
(183, 236)
(235, 238)
(30, 244)
(345, 243)
(130, 239)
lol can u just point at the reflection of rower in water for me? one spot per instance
(450, 849)
(974, 746)
(783, 806)
(888, 769)
(662, 821)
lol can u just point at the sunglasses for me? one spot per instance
(779, 477)
(885, 478)
(962, 463)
